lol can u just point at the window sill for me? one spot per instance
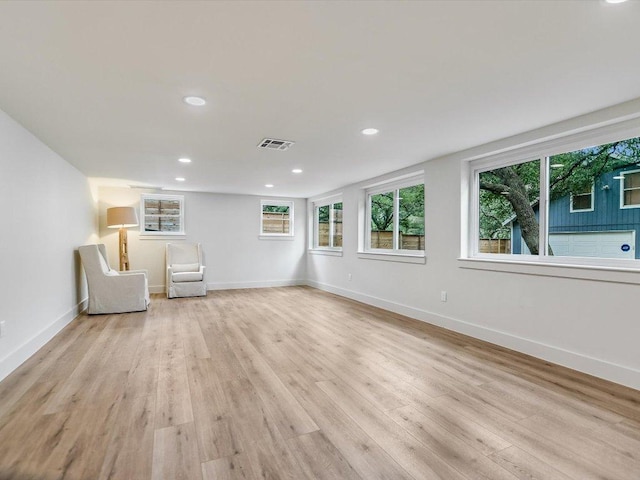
(601, 273)
(394, 257)
(176, 236)
(320, 251)
(276, 237)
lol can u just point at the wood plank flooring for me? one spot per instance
(295, 383)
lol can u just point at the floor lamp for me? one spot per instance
(122, 217)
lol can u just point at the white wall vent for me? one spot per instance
(273, 144)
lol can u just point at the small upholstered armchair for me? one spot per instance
(111, 291)
(185, 271)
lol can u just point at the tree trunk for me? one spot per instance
(516, 193)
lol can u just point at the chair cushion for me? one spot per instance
(185, 267)
(187, 277)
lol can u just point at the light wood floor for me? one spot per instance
(295, 383)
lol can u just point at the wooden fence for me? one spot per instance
(384, 239)
(275, 222)
(323, 234)
(494, 245)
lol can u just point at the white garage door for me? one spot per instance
(593, 244)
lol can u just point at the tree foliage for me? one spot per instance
(410, 210)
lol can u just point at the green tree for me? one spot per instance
(382, 211)
(411, 210)
(275, 209)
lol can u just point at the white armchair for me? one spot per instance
(185, 271)
(111, 291)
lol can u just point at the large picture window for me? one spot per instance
(327, 224)
(395, 217)
(560, 205)
(161, 214)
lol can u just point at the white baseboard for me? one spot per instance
(22, 353)
(594, 366)
(259, 284)
(238, 285)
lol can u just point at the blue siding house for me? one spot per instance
(601, 222)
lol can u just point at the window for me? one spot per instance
(276, 218)
(630, 197)
(526, 207)
(327, 224)
(162, 214)
(395, 217)
(582, 199)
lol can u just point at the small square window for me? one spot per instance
(631, 190)
(276, 218)
(162, 214)
(582, 200)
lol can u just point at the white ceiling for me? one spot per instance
(102, 83)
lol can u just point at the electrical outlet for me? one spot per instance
(3, 325)
(443, 296)
(349, 276)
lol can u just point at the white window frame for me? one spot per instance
(391, 185)
(578, 210)
(622, 190)
(159, 196)
(531, 151)
(314, 230)
(277, 203)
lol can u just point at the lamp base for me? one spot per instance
(124, 250)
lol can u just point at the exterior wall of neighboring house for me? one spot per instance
(606, 216)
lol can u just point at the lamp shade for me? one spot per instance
(118, 217)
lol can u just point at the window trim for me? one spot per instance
(160, 196)
(394, 184)
(578, 210)
(543, 149)
(622, 190)
(277, 203)
(314, 230)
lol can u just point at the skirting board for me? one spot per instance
(18, 356)
(621, 374)
(239, 285)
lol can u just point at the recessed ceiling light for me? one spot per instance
(296, 170)
(268, 185)
(615, 1)
(195, 101)
(180, 179)
(370, 131)
(184, 160)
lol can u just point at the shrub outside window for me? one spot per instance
(161, 214)
(395, 217)
(276, 218)
(562, 205)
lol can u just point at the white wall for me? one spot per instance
(47, 212)
(588, 324)
(227, 226)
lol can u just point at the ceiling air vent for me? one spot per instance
(273, 144)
